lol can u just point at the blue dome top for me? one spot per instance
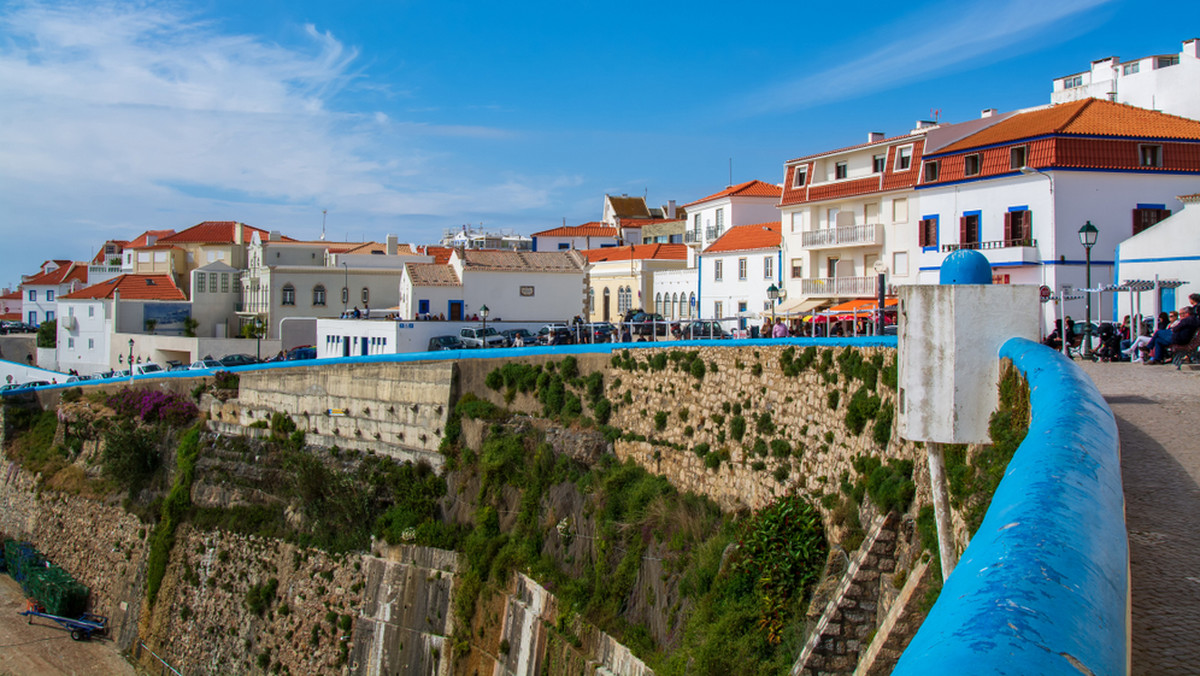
(966, 266)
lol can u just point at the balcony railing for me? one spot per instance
(691, 237)
(712, 232)
(995, 244)
(839, 286)
(867, 234)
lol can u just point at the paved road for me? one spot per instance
(44, 649)
(1158, 416)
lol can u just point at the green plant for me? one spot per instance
(47, 333)
(660, 421)
(737, 427)
(260, 596)
(832, 398)
(189, 326)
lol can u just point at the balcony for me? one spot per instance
(711, 233)
(869, 234)
(1003, 251)
(692, 237)
(839, 287)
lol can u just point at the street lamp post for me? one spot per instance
(1087, 237)
(346, 289)
(483, 313)
(773, 294)
(881, 292)
(131, 360)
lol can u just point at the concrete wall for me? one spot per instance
(1044, 585)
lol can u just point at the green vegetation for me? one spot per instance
(174, 510)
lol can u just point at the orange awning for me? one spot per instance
(862, 304)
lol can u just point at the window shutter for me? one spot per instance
(962, 230)
(1027, 227)
(1008, 226)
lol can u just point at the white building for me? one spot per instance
(711, 217)
(735, 272)
(93, 315)
(514, 285)
(40, 291)
(623, 278)
(1169, 250)
(1165, 82)
(1019, 191)
(580, 237)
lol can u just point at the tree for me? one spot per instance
(151, 324)
(189, 327)
(256, 328)
(47, 334)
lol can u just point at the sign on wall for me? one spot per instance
(168, 317)
(526, 290)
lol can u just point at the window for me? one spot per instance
(49, 295)
(797, 268)
(927, 233)
(742, 269)
(91, 311)
(289, 294)
(1017, 157)
(691, 304)
(900, 264)
(49, 316)
(33, 295)
(224, 283)
(720, 220)
(33, 318)
(1165, 61)
(345, 295)
(1146, 215)
(366, 296)
(1150, 155)
(742, 307)
(658, 303)
(1073, 81)
(70, 343)
(768, 267)
(900, 210)
(968, 230)
(591, 300)
(1131, 68)
(877, 163)
(564, 245)
(800, 176)
(200, 277)
(839, 170)
(91, 343)
(971, 165)
(931, 171)
(1018, 226)
(212, 282)
(718, 309)
(903, 158)
(318, 297)
(717, 265)
(831, 266)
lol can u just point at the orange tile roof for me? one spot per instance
(432, 274)
(628, 207)
(592, 229)
(1089, 117)
(132, 287)
(65, 273)
(144, 238)
(748, 237)
(659, 252)
(753, 188)
(532, 261)
(214, 232)
(642, 222)
(911, 136)
(11, 317)
(441, 254)
(15, 295)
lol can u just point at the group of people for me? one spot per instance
(1152, 345)
(365, 313)
(778, 330)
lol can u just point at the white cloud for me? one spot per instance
(939, 40)
(122, 115)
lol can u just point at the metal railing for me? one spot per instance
(713, 232)
(843, 235)
(993, 244)
(691, 236)
(839, 286)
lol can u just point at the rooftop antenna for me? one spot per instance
(730, 173)
(323, 212)
(935, 113)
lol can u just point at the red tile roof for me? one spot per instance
(753, 188)
(911, 136)
(592, 229)
(530, 261)
(432, 274)
(624, 206)
(144, 238)
(132, 287)
(641, 222)
(441, 254)
(1089, 117)
(15, 295)
(11, 317)
(65, 273)
(748, 237)
(659, 252)
(214, 232)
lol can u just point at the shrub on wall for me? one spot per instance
(737, 427)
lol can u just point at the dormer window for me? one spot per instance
(903, 158)
(799, 178)
(1150, 155)
(1017, 157)
(1165, 61)
(931, 171)
(1073, 81)
(839, 170)
(877, 163)
(971, 165)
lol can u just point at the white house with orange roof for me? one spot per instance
(208, 242)
(711, 217)
(1169, 83)
(40, 291)
(630, 214)
(621, 279)
(10, 306)
(735, 272)
(594, 235)
(95, 319)
(1020, 190)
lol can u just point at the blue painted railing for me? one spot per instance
(1043, 587)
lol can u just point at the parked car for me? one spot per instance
(77, 379)
(555, 334)
(477, 337)
(597, 332)
(11, 386)
(237, 360)
(527, 337)
(439, 343)
(201, 364)
(36, 383)
(148, 367)
(646, 323)
(177, 366)
(699, 330)
(302, 352)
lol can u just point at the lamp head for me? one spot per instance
(773, 292)
(483, 311)
(1088, 234)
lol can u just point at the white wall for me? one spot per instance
(579, 243)
(1172, 89)
(673, 283)
(738, 211)
(1170, 250)
(92, 322)
(730, 290)
(392, 337)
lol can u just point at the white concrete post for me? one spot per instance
(941, 508)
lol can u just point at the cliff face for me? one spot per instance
(246, 591)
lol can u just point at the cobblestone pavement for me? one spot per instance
(1157, 411)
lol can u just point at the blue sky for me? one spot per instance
(409, 118)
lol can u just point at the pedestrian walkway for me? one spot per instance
(1156, 409)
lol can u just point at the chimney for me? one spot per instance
(237, 233)
(874, 136)
(925, 124)
(1191, 48)
(274, 236)
(987, 112)
(671, 209)
(393, 245)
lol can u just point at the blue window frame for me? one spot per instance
(423, 307)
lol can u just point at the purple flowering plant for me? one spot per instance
(153, 406)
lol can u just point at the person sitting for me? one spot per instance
(1139, 345)
(1179, 333)
(357, 314)
(1110, 343)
